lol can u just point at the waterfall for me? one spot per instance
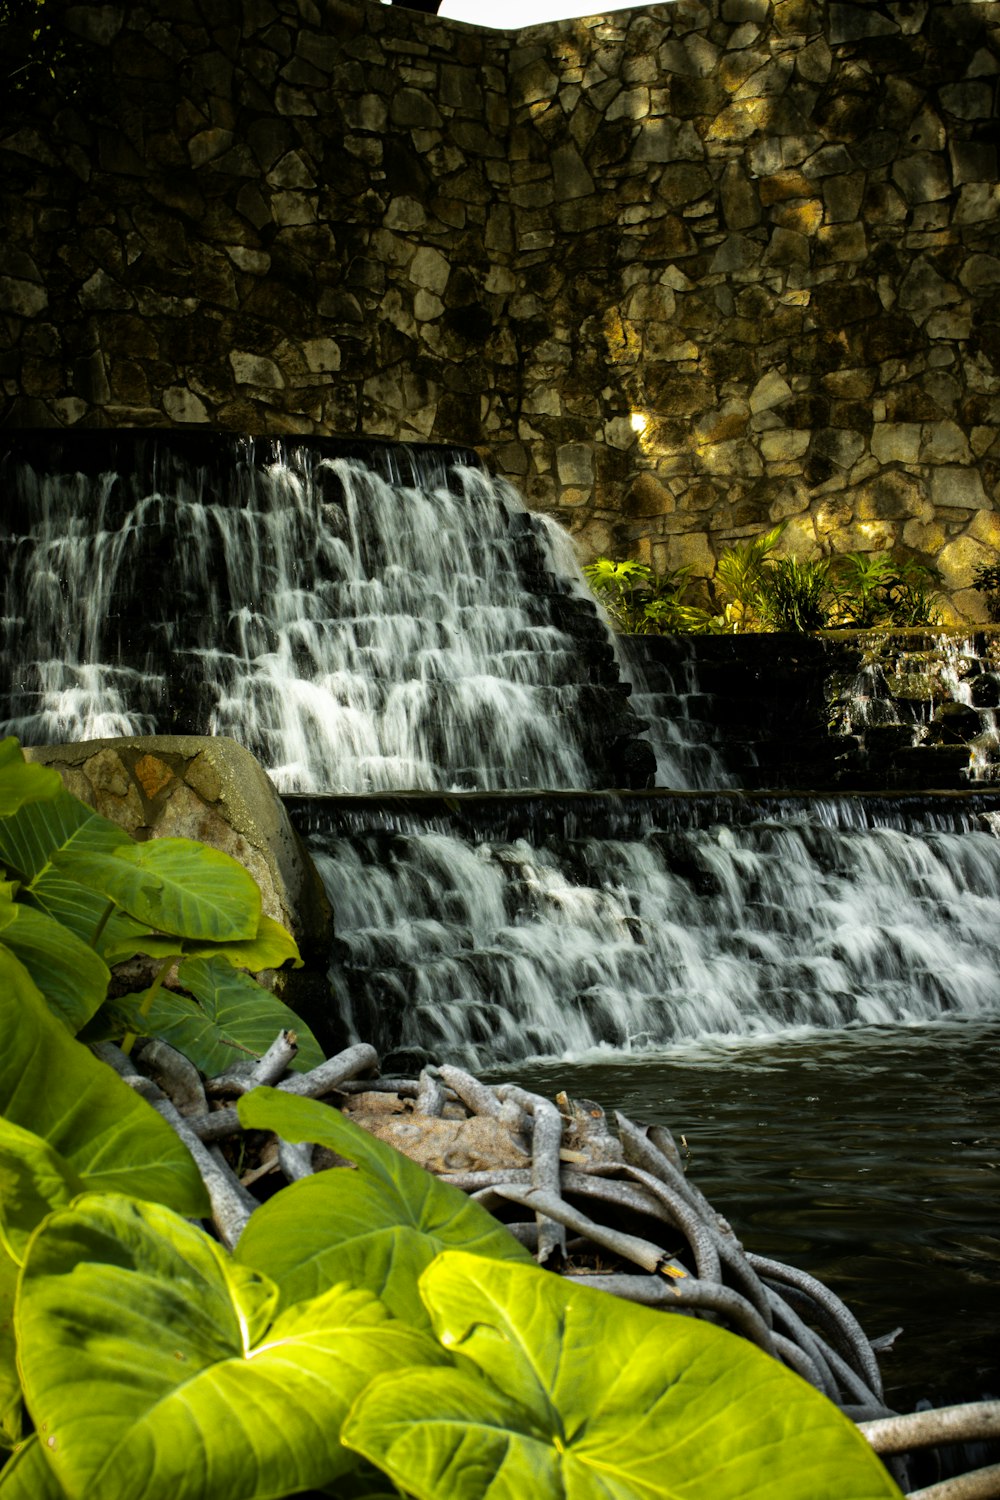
(635, 926)
(380, 622)
(359, 622)
(960, 684)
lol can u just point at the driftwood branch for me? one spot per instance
(231, 1204)
(360, 1058)
(980, 1484)
(968, 1423)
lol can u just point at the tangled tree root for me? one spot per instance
(609, 1208)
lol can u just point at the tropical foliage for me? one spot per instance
(755, 590)
(986, 580)
(374, 1332)
(639, 601)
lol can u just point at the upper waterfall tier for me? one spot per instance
(362, 617)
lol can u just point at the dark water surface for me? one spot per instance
(869, 1157)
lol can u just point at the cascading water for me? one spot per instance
(635, 926)
(678, 715)
(959, 689)
(357, 627)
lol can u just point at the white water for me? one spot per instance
(357, 634)
(488, 952)
(364, 634)
(869, 702)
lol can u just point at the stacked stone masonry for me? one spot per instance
(681, 272)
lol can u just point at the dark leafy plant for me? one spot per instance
(37, 51)
(791, 594)
(760, 592)
(739, 577)
(871, 588)
(986, 580)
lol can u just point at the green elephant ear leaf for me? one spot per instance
(599, 1399)
(379, 1226)
(72, 977)
(38, 830)
(54, 1087)
(29, 1476)
(271, 946)
(33, 836)
(152, 1368)
(231, 1019)
(20, 782)
(34, 1179)
(175, 885)
(10, 1380)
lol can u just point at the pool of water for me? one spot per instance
(869, 1157)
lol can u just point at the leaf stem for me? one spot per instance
(128, 1041)
(99, 929)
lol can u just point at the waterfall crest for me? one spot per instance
(360, 626)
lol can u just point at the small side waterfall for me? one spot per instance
(561, 926)
(943, 698)
(361, 620)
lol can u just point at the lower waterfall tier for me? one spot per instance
(568, 924)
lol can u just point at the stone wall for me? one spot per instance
(682, 271)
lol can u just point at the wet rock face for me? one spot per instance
(685, 270)
(878, 710)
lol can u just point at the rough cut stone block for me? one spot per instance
(255, 369)
(896, 442)
(182, 405)
(960, 487)
(923, 177)
(784, 444)
(852, 23)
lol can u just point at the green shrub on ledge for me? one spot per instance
(758, 592)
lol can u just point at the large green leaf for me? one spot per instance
(54, 1087)
(270, 947)
(153, 1367)
(379, 1226)
(28, 1475)
(31, 836)
(35, 834)
(231, 1020)
(72, 977)
(34, 1179)
(10, 1380)
(175, 885)
(20, 782)
(598, 1399)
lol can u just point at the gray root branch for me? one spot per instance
(641, 1229)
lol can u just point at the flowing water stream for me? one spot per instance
(810, 990)
(360, 626)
